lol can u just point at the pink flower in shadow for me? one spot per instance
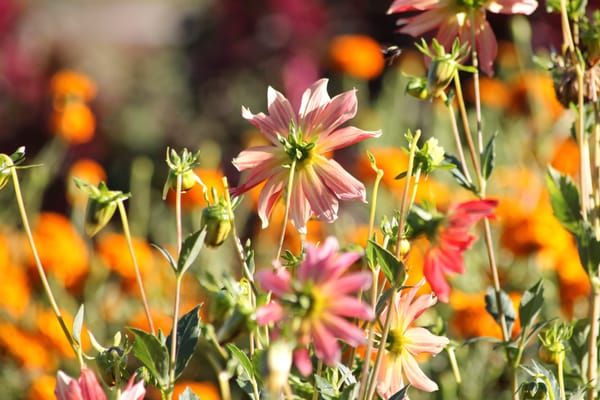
(312, 306)
(405, 342)
(449, 242)
(452, 19)
(303, 138)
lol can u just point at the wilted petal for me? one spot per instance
(269, 313)
(487, 47)
(415, 375)
(339, 181)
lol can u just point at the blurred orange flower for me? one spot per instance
(160, 320)
(194, 198)
(88, 170)
(16, 291)
(533, 91)
(68, 83)
(565, 157)
(114, 251)
(470, 318)
(74, 123)
(574, 283)
(61, 249)
(359, 56)
(25, 348)
(494, 93)
(204, 390)
(42, 388)
(51, 333)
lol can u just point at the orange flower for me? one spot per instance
(69, 83)
(194, 198)
(88, 170)
(204, 390)
(52, 334)
(160, 320)
(42, 388)
(359, 56)
(62, 251)
(16, 291)
(494, 93)
(113, 250)
(574, 283)
(535, 91)
(470, 318)
(566, 156)
(26, 349)
(74, 123)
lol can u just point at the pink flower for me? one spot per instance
(405, 342)
(450, 240)
(303, 138)
(312, 306)
(86, 388)
(451, 18)
(133, 391)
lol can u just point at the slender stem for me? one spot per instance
(173, 359)
(454, 364)
(178, 218)
(38, 262)
(319, 373)
(560, 373)
(457, 141)
(288, 196)
(223, 379)
(138, 275)
(475, 61)
(388, 320)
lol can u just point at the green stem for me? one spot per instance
(457, 141)
(319, 372)
(475, 61)
(138, 275)
(178, 219)
(561, 378)
(173, 359)
(223, 379)
(38, 263)
(288, 196)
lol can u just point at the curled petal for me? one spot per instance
(67, 388)
(345, 137)
(280, 111)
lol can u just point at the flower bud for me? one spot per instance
(534, 391)
(98, 213)
(4, 177)
(417, 87)
(218, 224)
(440, 74)
(111, 365)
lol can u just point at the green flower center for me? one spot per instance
(296, 147)
(396, 341)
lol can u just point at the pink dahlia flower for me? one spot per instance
(451, 18)
(86, 388)
(303, 139)
(452, 238)
(405, 342)
(312, 306)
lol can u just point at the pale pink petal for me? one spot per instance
(415, 375)
(487, 47)
(512, 6)
(344, 330)
(420, 340)
(344, 137)
(266, 125)
(326, 346)
(133, 391)
(280, 112)
(433, 273)
(313, 100)
(302, 361)
(390, 379)
(411, 5)
(269, 195)
(416, 308)
(257, 175)
(299, 208)
(350, 307)
(321, 122)
(335, 266)
(90, 388)
(269, 313)
(277, 281)
(424, 22)
(255, 156)
(318, 260)
(339, 181)
(67, 388)
(348, 283)
(322, 201)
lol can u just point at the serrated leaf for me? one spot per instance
(188, 334)
(393, 269)
(242, 359)
(457, 172)
(488, 157)
(564, 198)
(491, 307)
(400, 394)
(531, 305)
(153, 355)
(189, 250)
(188, 395)
(78, 324)
(166, 255)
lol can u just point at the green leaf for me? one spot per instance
(507, 307)
(401, 394)
(78, 324)
(325, 388)
(242, 358)
(531, 305)
(589, 249)
(392, 268)
(166, 255)
(488, 157)
(457, 172)
(188, 334)
(153, 355)
(564, 197)
(189, 250)
(188, 395)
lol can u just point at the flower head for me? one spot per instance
(299, 143)
(85, 388)
(452, 18)
(311, 306)
(405, 342)
(450, 239)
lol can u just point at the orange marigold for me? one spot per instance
(494, 93)
(51, 333)
(74, 123)
(359, 56)
(42, 388)
(68, 83)
(114, 251)
(535, 91)
(16, 291)
(565, 157)
(61, 249)
(26, 349)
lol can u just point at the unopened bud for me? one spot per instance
(218, 224)
(440, 74)
(417, 87)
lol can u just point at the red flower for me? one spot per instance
(452, 238)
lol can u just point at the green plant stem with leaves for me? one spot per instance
(38, 263)
(136, 267)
